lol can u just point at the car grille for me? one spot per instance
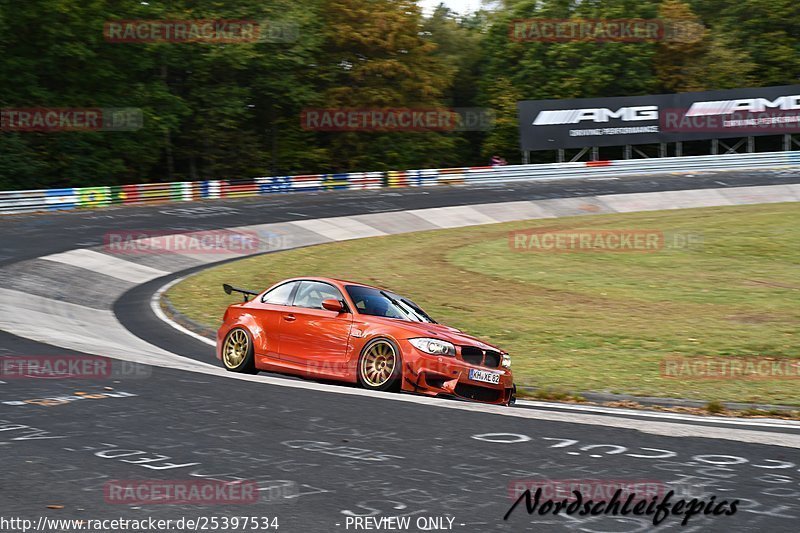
(482, 394)
(476, 356)
(472, 355)
(492, 359)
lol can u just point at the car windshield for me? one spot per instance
(375, 302)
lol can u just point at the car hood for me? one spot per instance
(438, 331)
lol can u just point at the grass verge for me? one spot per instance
(576, 322)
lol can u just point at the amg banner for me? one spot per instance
(578, 123)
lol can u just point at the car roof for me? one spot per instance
(335, 281)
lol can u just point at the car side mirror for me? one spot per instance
(333, 305)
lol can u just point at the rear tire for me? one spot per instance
(237, 352)
(380, 366)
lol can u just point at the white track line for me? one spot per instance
(155, 306)
(760, 422)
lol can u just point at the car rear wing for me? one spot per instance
(230, 288)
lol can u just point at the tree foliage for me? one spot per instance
(231, 110)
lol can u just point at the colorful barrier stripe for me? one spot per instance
(421, 178)
(335, 181)
(396, 179)
(146, 193)
(273, 184)
(91, 197)
(365, 180)
(60, 199)
(240, 188)
(130, 194)
(306, 183)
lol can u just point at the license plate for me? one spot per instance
(484, 376)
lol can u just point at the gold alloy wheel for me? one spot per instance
(236, 347)
(377, 365)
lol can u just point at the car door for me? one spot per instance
(312, 336)
(268, 311)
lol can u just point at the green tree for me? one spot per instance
(503, 139)
(532, 69)
(764, 33)
(681, 54)
(375, 56)
(459, 42)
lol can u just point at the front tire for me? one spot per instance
(513, 398)
(380, 366)
(237, 352)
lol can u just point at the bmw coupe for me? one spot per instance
(322, 328)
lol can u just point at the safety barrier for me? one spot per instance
(93, 197)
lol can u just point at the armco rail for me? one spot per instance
(91, 197)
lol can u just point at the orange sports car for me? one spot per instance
(339, 330)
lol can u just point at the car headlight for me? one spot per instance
(506, 361)
(433, 346)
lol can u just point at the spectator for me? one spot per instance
(498, 161)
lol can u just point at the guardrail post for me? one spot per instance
(578, 156)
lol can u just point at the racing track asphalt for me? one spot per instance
(340, 455)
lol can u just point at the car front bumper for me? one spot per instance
(450, 376)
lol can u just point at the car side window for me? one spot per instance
(311, 294)
(280, 295)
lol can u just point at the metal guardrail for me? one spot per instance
(93, 197)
